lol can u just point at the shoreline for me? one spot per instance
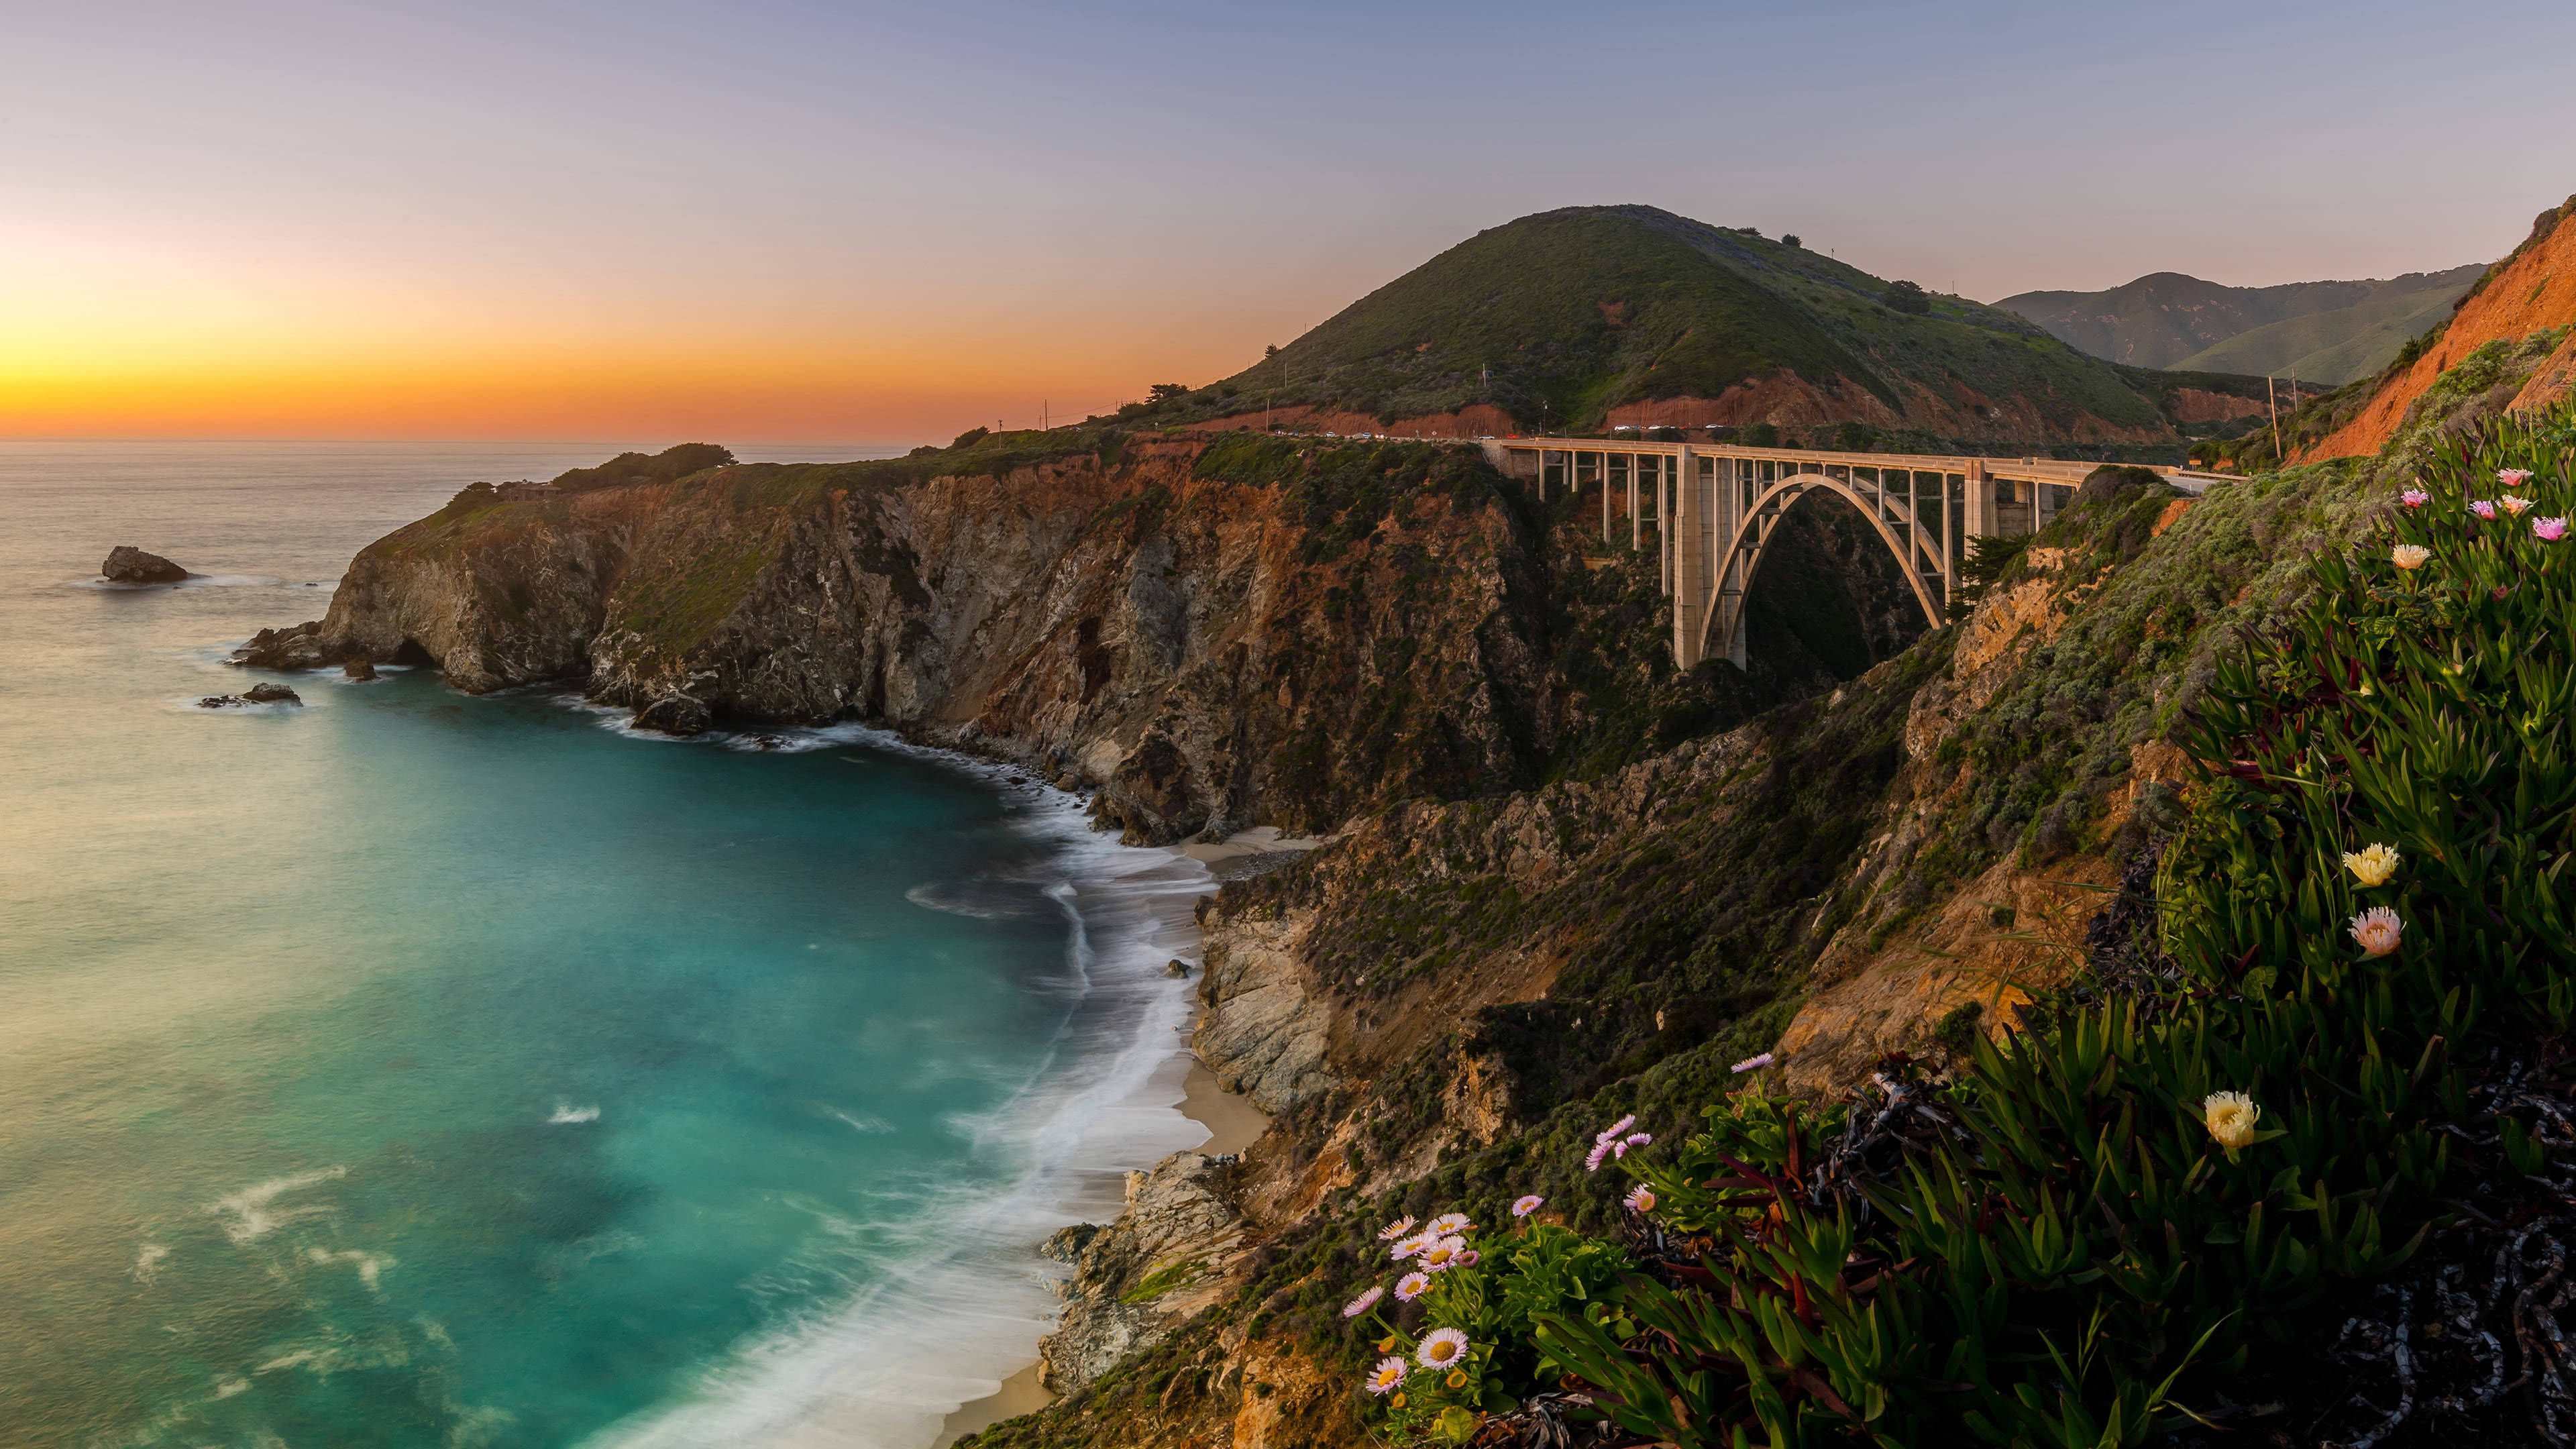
(1232, 1122)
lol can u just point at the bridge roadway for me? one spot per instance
(1726, 502)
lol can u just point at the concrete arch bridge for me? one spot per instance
(1714, 507)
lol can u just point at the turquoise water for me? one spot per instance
(415, 1069)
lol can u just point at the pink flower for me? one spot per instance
(1447, 1223)
(1411, 1246)
(2549, 530)
(1752, 1063)
(1622, 1125)
(1527, 1205)
(1640, 1199)
(2414, 497)
(1410, 1286)
(1442, 1256)
(1395, 1230)
(1592, 1159)
(1363, 1303)
(1640, 1139)
(2481, 508)
(2377, 930)
(1470, 1258)
(2513, 477)
(2514, 504)
(1387, 1376)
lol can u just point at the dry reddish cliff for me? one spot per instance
(2527, 291)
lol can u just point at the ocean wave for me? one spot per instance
(254, 1211)
(566, 1112)
(954, 1296)
(370, 1266)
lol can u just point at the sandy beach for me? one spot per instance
(1232, 1122)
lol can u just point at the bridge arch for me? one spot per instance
(1740, 559)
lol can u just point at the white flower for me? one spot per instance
(1440, 1348)
(2409, 556)
(2377, 929)
(2230, 1117)
(2372, 865)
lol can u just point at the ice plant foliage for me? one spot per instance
(2372, 865)
(2377, 930)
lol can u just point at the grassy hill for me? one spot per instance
(1558, 319)
(2331, 332)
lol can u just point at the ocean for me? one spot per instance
(410, 1068)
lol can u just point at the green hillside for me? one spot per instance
(2332, 347)
(2332, 331)
(1558, 318)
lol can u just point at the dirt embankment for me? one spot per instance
(2530, 290)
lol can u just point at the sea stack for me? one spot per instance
(127, 564)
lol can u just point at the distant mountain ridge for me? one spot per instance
(1593, 317)
(2329, 332)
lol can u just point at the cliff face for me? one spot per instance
(1205, 639)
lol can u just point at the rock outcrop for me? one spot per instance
(127, 564)
(256, 694)
(1169, 1254)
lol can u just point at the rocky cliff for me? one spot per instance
(1208, 634)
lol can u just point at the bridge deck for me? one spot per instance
(2063, 472)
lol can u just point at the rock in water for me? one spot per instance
(296, 648)
(256, 694)
(127, 564)
(675, 714)
(360, 669)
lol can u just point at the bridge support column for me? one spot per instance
(1681, 530)
(1666, 488)
(1981, 503)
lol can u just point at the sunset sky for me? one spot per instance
(882, 224)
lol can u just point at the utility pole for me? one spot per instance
(2274, 395)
